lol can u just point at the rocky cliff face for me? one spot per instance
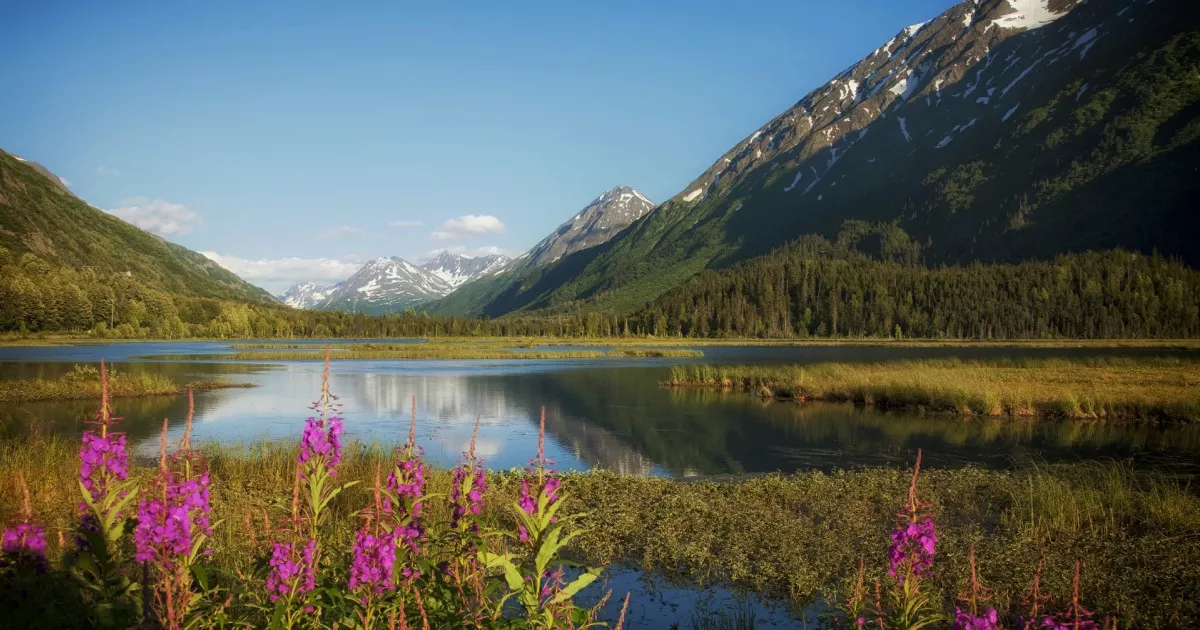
(603, 218)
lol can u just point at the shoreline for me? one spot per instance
(1165, 344)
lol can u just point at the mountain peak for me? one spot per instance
(614, 210)
(456, 269)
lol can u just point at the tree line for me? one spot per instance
(811, 288)
(817, 288)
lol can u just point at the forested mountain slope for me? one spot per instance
(39, 215)
(1002, 130)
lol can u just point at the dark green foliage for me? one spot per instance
(817, 288)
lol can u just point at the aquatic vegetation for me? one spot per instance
(1141, 389)
(83, 382)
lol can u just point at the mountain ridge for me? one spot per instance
(1000, 130)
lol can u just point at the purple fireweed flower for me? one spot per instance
(372, 563)
(24, 544)
(468, 475)
(322, 441)
(528, 499)
(101, 457)
(964, 620)
(914, 545)
(407, 483)
(292, 569)
(165, 525)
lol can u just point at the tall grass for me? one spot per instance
(83, 382)
(791, 537)
(1151, 389)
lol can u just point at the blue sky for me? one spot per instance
(295, 140)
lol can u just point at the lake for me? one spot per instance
(608, 413)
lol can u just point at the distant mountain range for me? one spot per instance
(999, 131)
(394, 284)
(386, 285)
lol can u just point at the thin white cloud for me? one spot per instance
(468, 225)
(275, 274)
(342, 230)
(158, 216)
(406, 224)
(469, 252)
(104, 170)
(63, 180)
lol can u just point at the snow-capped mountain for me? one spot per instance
(599, 221)
(457, 269)
(386, 285)
(306, 294)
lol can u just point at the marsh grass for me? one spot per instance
(1116, 388)
(83, 383)
(434, 351)
(792, 537)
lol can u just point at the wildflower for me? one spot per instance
(373, 560)
(914, 541)
(322, 439)
(468, 486)
(964, 620)
(406, 487)
(543, 481)
(24, 543)
(292, 570)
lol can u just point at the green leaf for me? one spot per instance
(577, 585)
(548, 550)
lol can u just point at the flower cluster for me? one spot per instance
(528, 499)
(406, 482)
(293, 569)
(322, 440)
(964, 620)
(466, 494)
(165, 526)
(913, 546)
(102, 456)
(372, 563)
(24, 544)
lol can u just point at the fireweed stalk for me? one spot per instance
(970, 614)
(372, 561)
(107, 493)
(1075, 617)
(295, 560)
(402, 499)
(910, 557)
(173, 528)
(538, 577)
(23, 544)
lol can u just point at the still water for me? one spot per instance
(607, 413)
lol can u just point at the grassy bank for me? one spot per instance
(791, 537)
(432, 351)
(1152, 389)
(83, 383)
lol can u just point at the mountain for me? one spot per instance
(386, 285)
(306, 294)
(999, 131)
(457, 269)
(39, 215)
(597, 223)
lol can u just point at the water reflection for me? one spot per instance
(607, 414)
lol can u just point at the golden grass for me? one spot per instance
(1152, 389)
(83, 383)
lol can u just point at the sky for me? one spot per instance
(294, 141)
